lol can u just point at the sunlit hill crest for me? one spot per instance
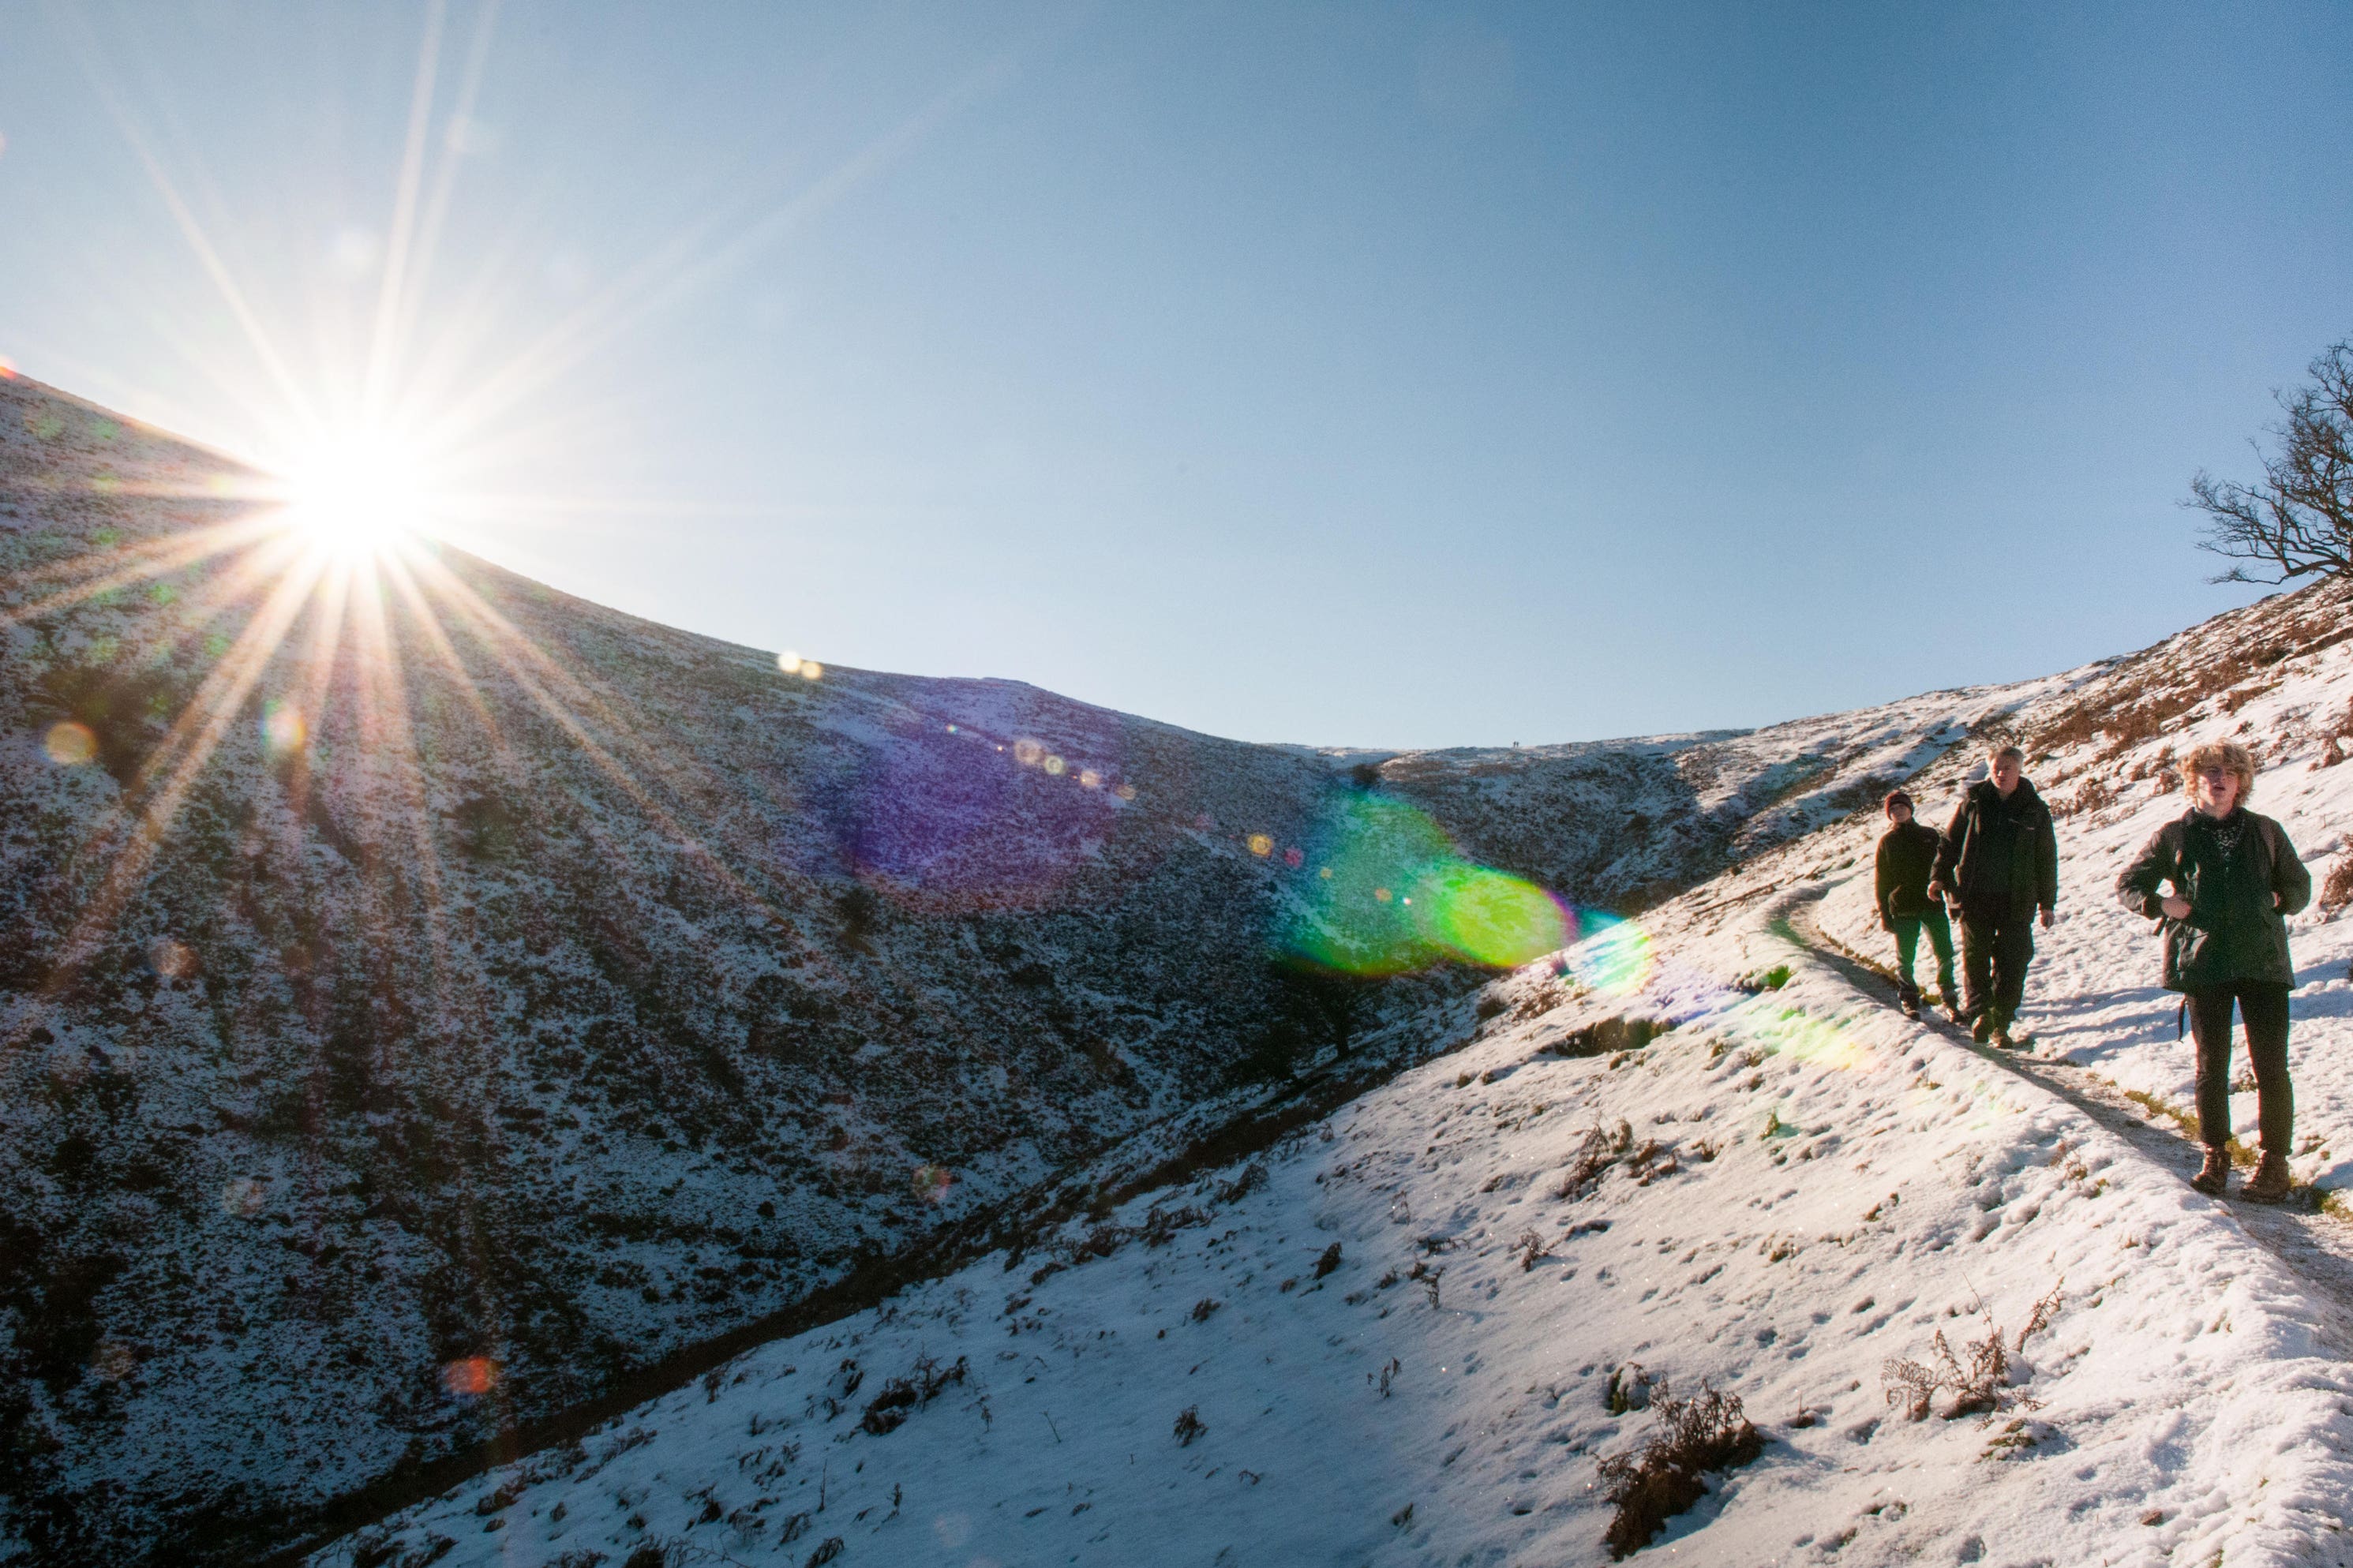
(405, 966)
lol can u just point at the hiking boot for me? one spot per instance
(1982, 1029)
(2213, 1177)
(1910, 1006)
(1953, 1010)
(2271, 1183)
(2001, 1041)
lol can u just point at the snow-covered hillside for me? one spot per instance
(1410, 1333)
(427, 1006)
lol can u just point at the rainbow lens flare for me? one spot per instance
(283, 729)
(70, 743)
(1614, 956)
(1392, 894)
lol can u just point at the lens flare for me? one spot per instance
(790, 663)
(284, 730)
(469, 1378)
(70, 743)
(1393, 894)
(1495, 919)
(1615, 957)
(1261, 845)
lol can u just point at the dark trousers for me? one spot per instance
(2264, 1005)
(1908, 929)
(1997, 944)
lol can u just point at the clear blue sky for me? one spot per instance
(1346, 374)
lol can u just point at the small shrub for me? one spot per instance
(1587, 1166)
(1251, 1179)
(652, 1554)
(1630, 1389)
(902, 1396)
(1203, 1307)
(1329, 1261)
(1530, 1247)
(499, 1500)
(828, 1549)
(2337, 887)
(1429, 1277)
(1606, 1036)
(1190, 1426)
(1978, 1384)
(1662, 1479)
(1161, 1226)
(1489, 1006)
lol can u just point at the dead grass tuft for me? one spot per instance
(1667, 1473)
(2337, 887)
(1978, 1384)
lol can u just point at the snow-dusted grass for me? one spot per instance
(1831, 1188)
(1797, 1188)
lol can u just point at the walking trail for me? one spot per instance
(2313, 1242)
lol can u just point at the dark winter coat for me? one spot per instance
(2001, 852)
(2229, 871)
(1907, 858)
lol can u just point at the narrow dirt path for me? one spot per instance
(2316, 1245)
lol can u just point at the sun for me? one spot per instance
(356, 492)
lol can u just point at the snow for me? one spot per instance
(291, 1291)
(1832, 1187)
(2184, 1376)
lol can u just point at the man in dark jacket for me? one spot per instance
(2001, 861)
(2235, 879)
(1907, 858)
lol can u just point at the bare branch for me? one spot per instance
(2298, 522)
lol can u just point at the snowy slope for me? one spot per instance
(536, 994)
(2095, 999)
(1870, 1185)
(1806, 1189)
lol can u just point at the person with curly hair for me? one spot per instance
(2235, 879)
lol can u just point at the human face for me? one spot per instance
(2004, 773)
(2217, 791)
(1899, 814)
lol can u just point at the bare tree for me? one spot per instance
(2298, 522)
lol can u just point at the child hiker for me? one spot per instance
(1907, 855)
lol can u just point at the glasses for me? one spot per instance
(2216, 776)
